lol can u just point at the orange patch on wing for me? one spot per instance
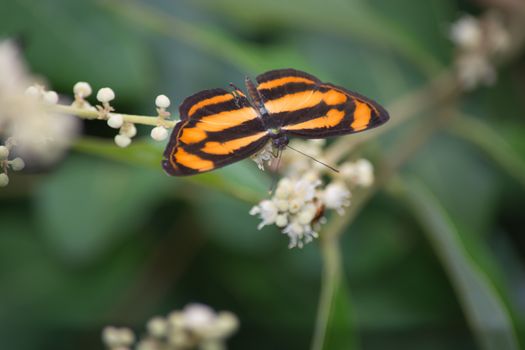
(227, 147)
(283, 81)
(331, 119)
(209, 101)
(227, 119)
(192, 135)
(192, 161)
(362, 115)
(334, 97)
(304, 99)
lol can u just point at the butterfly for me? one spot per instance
(219, 127)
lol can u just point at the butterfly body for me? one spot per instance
(218, 127)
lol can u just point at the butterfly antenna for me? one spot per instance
(312, 158)
(275, 169)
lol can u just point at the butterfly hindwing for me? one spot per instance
(300, 105)
(217, 128)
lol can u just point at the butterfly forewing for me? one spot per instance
(217, 128)
(300, 105)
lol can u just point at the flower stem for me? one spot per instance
(332, 297)
(331, 279)
(130, 118)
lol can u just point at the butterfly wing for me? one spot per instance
(217, 128)
(301, 105)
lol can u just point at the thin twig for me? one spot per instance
(130, 118)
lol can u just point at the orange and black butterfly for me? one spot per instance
(219, 127)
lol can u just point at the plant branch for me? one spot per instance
(94, 114)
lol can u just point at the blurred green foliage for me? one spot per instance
(104, 237)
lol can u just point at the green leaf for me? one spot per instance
(70, 41)
(483, 305)
(88, 204)
(353, 19)
(242, 180)
(492, 144)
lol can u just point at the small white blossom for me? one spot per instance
(360, 173)
(281, 220)
(17, 164)
(122, 140)
(297, 164)
(4, 152)
(159, 133)
(336, 196)
(162, 101)
(4, 180)
(129, 130)
(51, 97)
(115, 121)
(284, 188)
(467, 32)
(299, 234)
(267, 211)
(479, 41)
(33, 91)
(115, 337)
(281, 204)
(198, 316)
(157, 327)
(82, 89)
(474, 69)
(105, 95)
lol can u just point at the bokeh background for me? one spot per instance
(105, 237)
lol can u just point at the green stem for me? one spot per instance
(330, 281)
(94, 114)
(332, 278)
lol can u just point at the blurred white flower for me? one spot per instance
(467, 33)
(115, 338)
(474, 69)
(478, 41)
(4, 180)
(41, 136)
(296, 164)
(196, 326)
(267, 211)
(336, 196)
(17, 164)
(360, 173)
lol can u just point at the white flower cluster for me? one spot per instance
(15, 164)
(300, 198)
(126, 129)
(197, 326)
(478, 42)
(40, 135)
